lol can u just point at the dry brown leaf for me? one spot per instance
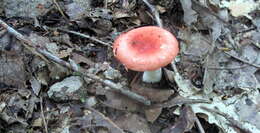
(133, 123)
(184, 123)
(152, 114)
(153, 94)
(12, 71)
(81, 59)
(94, 119)
(118, 101)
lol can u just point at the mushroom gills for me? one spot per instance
(152, 76)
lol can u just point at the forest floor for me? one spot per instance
(58, 73)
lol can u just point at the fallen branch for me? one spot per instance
(42, 52)
(199, 125)
(43, 117)
(86, 36)
(179, 100)
(60, 10)
(155, 12)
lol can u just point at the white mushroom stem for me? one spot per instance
(152, 76)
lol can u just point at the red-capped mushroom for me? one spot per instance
(146, 49)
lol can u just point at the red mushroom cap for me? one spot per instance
(146, 49)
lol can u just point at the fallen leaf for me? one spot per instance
(153, 94)
(118, 101)
(240, 7)
(248, 108)
(36, 86)
(190, 16)
(184, 123)
(152, 114)
(12, 70)
(133, 123)
(81, 59)
(85, 120)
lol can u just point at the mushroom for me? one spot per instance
(146, 49)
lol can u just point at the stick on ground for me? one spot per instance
(86, 36)
(43, 52)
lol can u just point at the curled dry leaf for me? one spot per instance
(184, 123)
(21, 104)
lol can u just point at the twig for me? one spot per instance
(242, 60)
(227, 68)
(105, 4)
(246, 30)
(56, 59)
(118, 88)
(86, 36)
(236, 57)
(53, 57)
(23, 39)
(201, 8)
(234, 122)
(61, 12)
(155, 12)
(178, 101)
(257, 44)
(201, 129)
(43, 117)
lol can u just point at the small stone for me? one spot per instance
(91, 101)
(68, 89)
(112, 74)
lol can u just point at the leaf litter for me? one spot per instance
(214, 78)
